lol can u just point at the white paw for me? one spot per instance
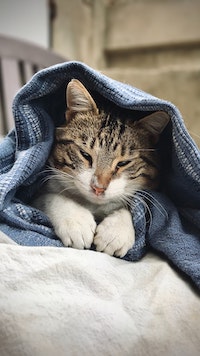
(115, 235)
(77, 230)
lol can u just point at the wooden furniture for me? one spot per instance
(19, 60)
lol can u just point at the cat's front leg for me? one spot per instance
(73, 224)
(115, 235)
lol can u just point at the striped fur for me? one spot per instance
(108, 148)
(98, 162)
(107, 145)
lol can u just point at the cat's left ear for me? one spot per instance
(155, 123)
(78, 98)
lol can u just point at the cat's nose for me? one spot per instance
(97, 190)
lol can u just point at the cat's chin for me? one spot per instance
(98, 200)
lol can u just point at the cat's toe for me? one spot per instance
(118, 248)
(88, 235)
(121, 252)
(77, 234)
(114, 236)
(99, 242)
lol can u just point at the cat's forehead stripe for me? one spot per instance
(105, 122)
(149, 161)
(110, 133)
(121, 129)
(92, 142)
(62, 141)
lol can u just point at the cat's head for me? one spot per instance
(105, 158)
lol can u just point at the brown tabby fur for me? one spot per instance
(109, 141)
(98, 162)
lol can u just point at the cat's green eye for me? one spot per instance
(122, 164)
(86, 156)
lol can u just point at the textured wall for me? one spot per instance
(151, 44)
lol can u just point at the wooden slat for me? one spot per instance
(19, 60)
(28, 52)
(37, 68)
(11, 84)
(2, 131)
(28, 71)
(2, 115)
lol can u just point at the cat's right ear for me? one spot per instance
(78, 99)
(155, 123)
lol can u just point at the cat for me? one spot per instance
(97, 163)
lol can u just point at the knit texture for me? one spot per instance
(171, 224)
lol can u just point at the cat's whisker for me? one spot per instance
(127, 199)
(147, 209)
(134, 204)
(58, 174)
(146, 149)
(65, 179)
(157, 204)
(124, 201)
(146, 195)
(56, 178)
(65, 190)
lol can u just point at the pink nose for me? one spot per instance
(98, 191)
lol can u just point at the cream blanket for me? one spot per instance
(61, 301)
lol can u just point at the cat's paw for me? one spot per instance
(77, 230)
(115, 235)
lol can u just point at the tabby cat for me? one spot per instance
(97, 163)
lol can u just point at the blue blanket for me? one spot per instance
(170, 225)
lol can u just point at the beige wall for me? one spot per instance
(78, 30)
(71, 29)
(151, 44)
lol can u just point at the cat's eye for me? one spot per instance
(122, 164)
(86, 156)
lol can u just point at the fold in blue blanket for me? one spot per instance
(174, 229)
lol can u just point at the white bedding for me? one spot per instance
(62, 301)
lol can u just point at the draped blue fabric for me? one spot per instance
(169, 221)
